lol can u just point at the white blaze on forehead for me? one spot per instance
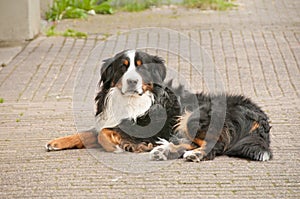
(131, 73)
(131, 55)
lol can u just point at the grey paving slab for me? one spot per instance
(8, 53)
(48, 90)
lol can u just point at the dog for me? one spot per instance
(137, 111)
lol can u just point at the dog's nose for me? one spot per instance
(132, 82)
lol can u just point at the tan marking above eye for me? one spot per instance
(126, 62)
(139, 62)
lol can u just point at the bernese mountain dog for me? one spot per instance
(137, 111)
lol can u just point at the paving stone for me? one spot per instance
(253, 50)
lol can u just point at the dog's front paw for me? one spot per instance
(165, 151)
(52, 146)
(193, 156)
(159, 153)
(162, 151)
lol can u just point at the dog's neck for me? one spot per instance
(119, 107)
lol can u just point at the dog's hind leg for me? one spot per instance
(254, 143)
(80, 140)
(204, 128)
(251, 147)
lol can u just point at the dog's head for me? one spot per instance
(133, 72)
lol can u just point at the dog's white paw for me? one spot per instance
(160, 152)
(51, 147)
(193, 156)
(263, 156)
(166, 151)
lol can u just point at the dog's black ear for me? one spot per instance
(107, 72)
(160, 66)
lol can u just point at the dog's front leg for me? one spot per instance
(78, 141)
(110, 140)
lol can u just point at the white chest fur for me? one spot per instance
(119, 107)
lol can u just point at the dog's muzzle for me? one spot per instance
(132, 83)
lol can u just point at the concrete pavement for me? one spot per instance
(255, 48)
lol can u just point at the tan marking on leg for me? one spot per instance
(255, 126)
(178, 147)
(79, 141)
(201, 143)
(136, 147)
(143, 147)
(109, 139)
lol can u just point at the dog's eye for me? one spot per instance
(139, 62)
(125, 62)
